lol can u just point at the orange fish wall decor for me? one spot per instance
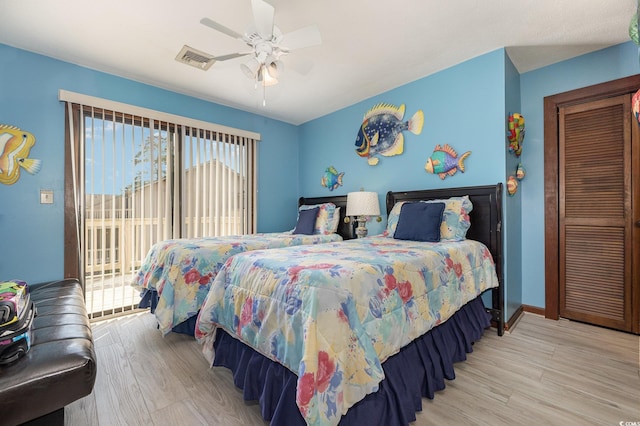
(512, 185)
(15, 145)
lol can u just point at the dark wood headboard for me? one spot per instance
(345, 230)
(486, 227)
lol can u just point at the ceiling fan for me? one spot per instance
(267, 43)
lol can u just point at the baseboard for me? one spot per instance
(533, 309)
(517, 315)
(513, 320)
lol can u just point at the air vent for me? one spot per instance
(195, 58)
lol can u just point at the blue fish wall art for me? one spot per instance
(331, 178)
(445, 162)
(381, 131)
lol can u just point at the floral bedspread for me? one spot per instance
(181, 270)
(333, 313)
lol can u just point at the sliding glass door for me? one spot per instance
(138, 180)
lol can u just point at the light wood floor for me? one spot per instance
(543, 372)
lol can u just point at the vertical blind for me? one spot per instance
(139, 177)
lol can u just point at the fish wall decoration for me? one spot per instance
(445, 162)
(515, 133)
(512, 185)
(381, 131)
(520, 171)
(331, 178)
(15, 145)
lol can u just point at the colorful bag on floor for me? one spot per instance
(16, 317)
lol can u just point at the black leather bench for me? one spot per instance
(61, 365)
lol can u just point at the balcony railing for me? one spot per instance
(115, 250)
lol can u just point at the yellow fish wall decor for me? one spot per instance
(15, 145)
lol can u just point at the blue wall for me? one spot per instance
(463, 106)
(512, 204)
(31, 234)
(598, 67)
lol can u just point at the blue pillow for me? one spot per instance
(420, 222)
(306, 221)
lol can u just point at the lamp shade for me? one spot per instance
(250, 68)
(265, 78)
(274, 67)
(363, 203)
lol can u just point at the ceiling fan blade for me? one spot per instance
(219, 27)
(263, 18)
(231, 56)
(304, 37)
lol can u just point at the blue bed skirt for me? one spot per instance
(149, 299)
(418, 370)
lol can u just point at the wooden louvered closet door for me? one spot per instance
(595, 222)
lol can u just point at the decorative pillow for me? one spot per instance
(306, 221)
(392, 219)
(324, 222)
(455, 219)
(420, 222)
(335, 221)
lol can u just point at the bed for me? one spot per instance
(174, 278)
(356, 332)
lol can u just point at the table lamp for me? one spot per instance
(362, 204)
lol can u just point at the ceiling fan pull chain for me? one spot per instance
(264, 95)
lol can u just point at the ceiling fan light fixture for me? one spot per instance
(265, 77)
(264, 40)
(274, 68)
(251, 68)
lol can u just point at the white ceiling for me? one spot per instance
(368, 46)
